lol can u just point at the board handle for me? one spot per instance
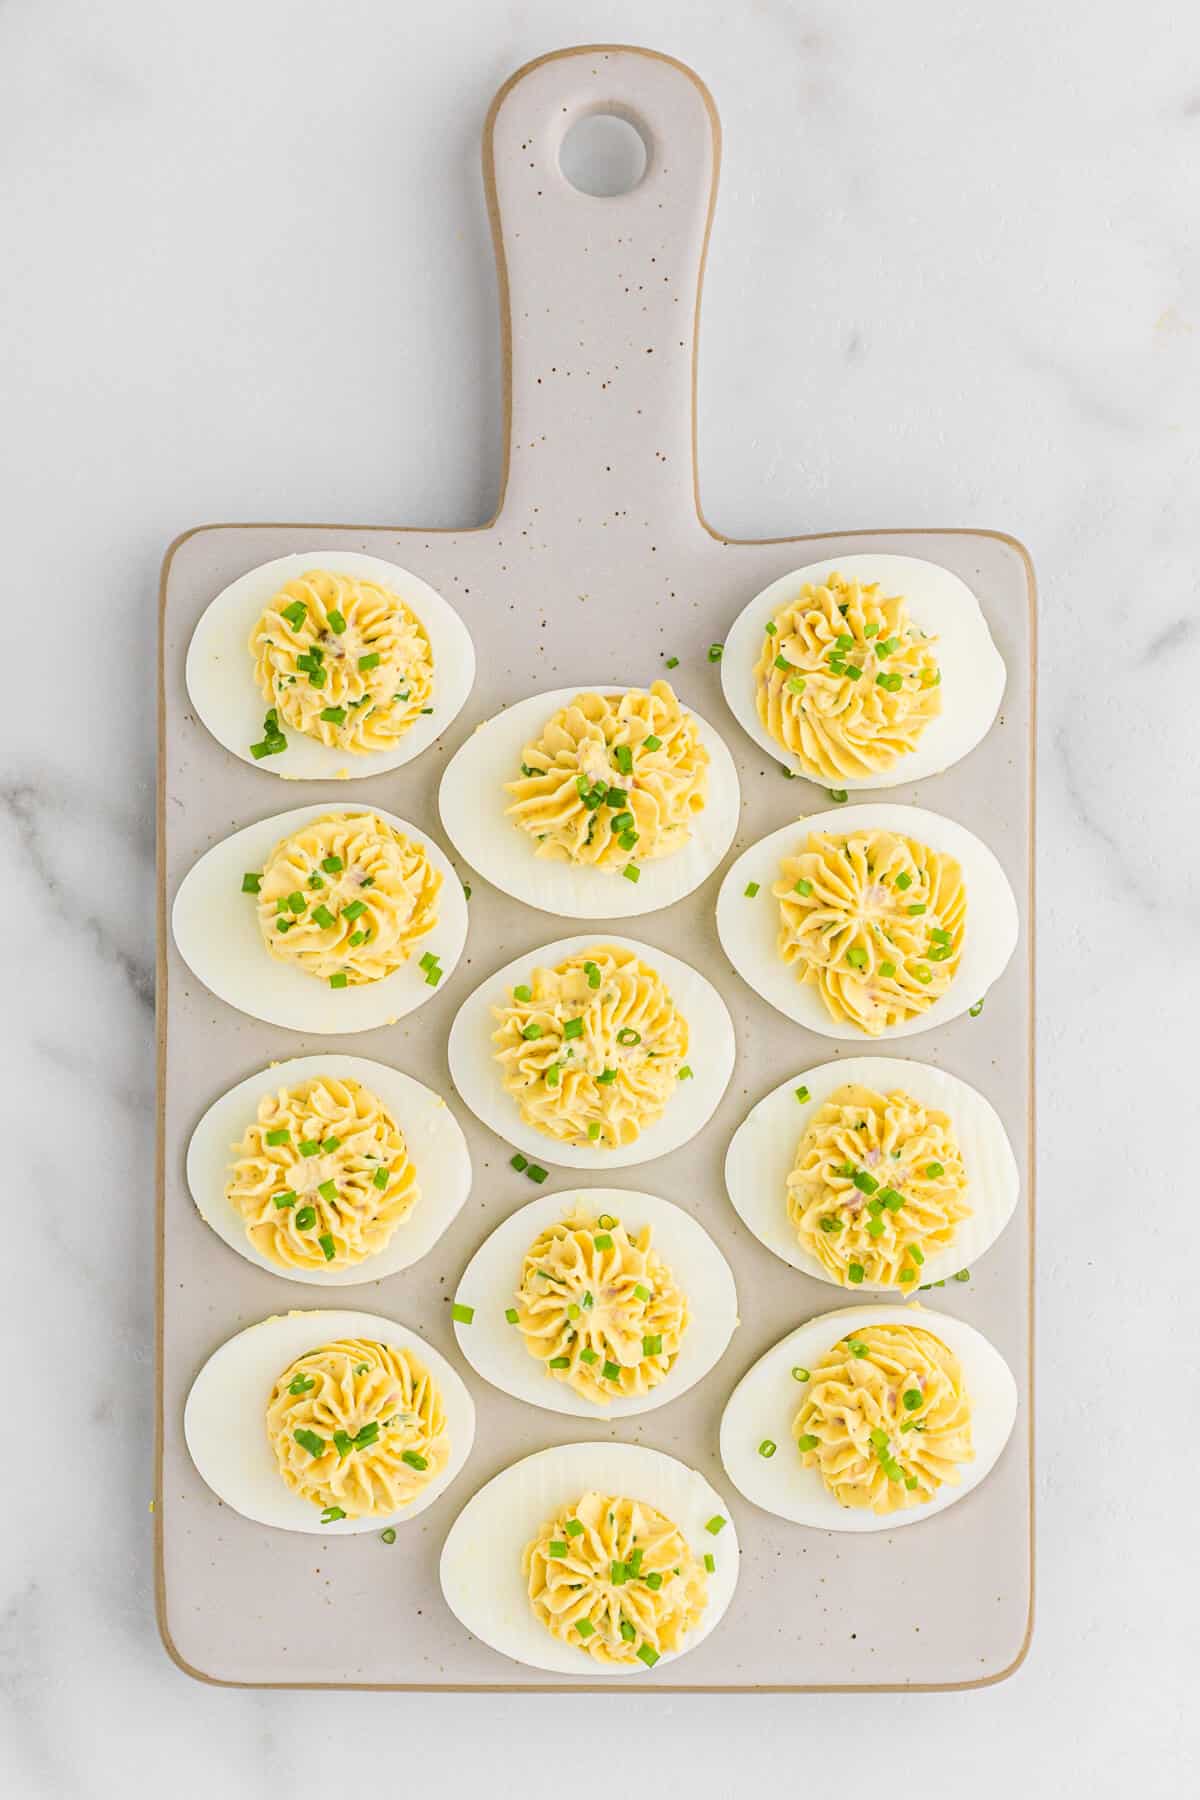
(599, 295)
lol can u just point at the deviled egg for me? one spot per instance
(329, 663)
(874, 1173)
(864, 671)
(597, 1303)
(594, 1052)
(329, 1169)
(872, 920)
(596, 1560)
(594, 804)
(328, 1420)
(322, 921)
(869, 1418)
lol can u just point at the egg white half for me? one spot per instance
(481, 1560)
(220, 667)
(225, 1419)
(436, 1148)
(749, 928)
(768, 1397)
(496, 1350)
(763, 1149)
(217, 934)
(940, 604)
(476, 1074)
(472, 802)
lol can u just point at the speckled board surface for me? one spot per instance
(596, 567)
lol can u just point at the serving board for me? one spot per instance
(597, 566)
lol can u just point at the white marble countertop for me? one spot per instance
(953, 280)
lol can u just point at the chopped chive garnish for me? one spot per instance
(354, 910)
(803, 888)
(623, 822)
(641, 1293)
(523, 994)
(462, 1315)
(603, 1240)
(710, 1562)
(627, 1631)
(511, 1314)
(806, 1442)
(855, 1272)
(573, 1528)
(295, 614)
(623, 758)
(800, 1374)
(300, 1384)
(593, 1130)
(587, 1302)
(433, 977)
(281, 1136)
(631, 872)
(866, 1184)
(933, 1170)
(588, 1356)
(836, 794)
(973, 1012)
(856, 957)
(903, 880)
(648, 1655)
(616, 796)
(887, 970)
(592, 971)
(536, 1172)
(306, 1218)
(287, 1198)
(557, 1547)
(715, 652)
(553, 1073)
(414, 1460)
(672, 662)
(328, 1190)
(606, 1222)
(297, 902)
(370, 661)
(332, 865)
(323, 916)
(768, 1448)
(573, 1028)
(802, 1094)
(334, 715)
(751, 889)
(856, 1347)
(339, 980)
(308, 1440)
(356, 938)
(584, 1627)
(251, 884)
(716, 1525)
(331, 1514)
(611, 1371)
(795, 684)
(606, 1077)
(916, 1252)
(652, 1346)
(917, 907)
(627, 1036)
(327, 1245)
(559, 1362)
(389, 1536)
(532, 1030)
(330, 1144)
(652, 743)
(519, 1163)
(963, 1275)
(309, 1147)
(912, 1398)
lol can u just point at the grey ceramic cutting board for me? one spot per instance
(596, 568)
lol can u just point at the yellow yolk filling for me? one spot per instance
(845, 683)
(886, 1418)
(875, 921)
(347, 898)
(612, 777)
(616, 1578)
(343, 660)
(600, 1309)
(878, 1186)
(591, 1050)
(358, 1427)
(322, 1176)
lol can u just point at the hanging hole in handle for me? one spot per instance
(603, 155)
